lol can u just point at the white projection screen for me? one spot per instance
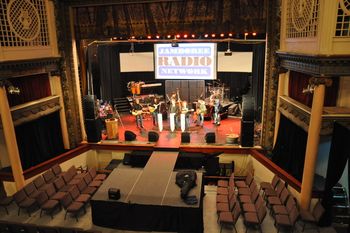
(136, 62)
(185, 61)
(238, 62)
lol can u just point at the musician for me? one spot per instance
(186, 111)
(216, 110)
(201, 110)
(174, 108)
(155, 109)
(137, 111)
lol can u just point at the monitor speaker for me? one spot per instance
(89, 107)
(247, 108)
(129, 135)
(247, 133)
(93, 129)
(185, 137)
(153, 136)
(210, 137)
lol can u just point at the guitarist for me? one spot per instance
(201, 110)
(137, 112)
(155, 109)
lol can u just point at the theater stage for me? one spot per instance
(150, 199)
(168, 139)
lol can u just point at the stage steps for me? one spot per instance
(121, 104)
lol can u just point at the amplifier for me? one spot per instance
(113, 193)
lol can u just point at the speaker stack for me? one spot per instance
(247, 123)
(93, 124)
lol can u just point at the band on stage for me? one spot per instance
(178, 111)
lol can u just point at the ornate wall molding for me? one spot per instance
(271, 73)
(17, 68)
(300, 115)
(316, 65)
(67, 72)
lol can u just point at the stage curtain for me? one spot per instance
(289, 150)
(108, 59)
(39, 140)
(299, 81)
(32, 88)
(258, 79)
(338, 156)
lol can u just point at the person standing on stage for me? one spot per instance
(186, 111)
(201, 110)
(137, 112)
(216, 111)
(174, 108)
(155, 109)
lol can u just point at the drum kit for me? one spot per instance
(217, 90)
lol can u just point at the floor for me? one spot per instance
(210, 217)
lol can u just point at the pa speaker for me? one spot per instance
(185, 137)
(153, 136)
(247, 108)
(129, 135)
(93, 129)
(210, 137)
(247, 133)
(89, 107)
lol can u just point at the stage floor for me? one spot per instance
(168, 139)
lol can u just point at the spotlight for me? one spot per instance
(206, 35)
(246, 33)
(178, 36)
(222, 35)
(149, 37)
(193, 35)
(157, 36)
(114, 38)
(213, 35)
(254, 34)
(230, 34)
(133, 37)
(168, 36)
(185, 36)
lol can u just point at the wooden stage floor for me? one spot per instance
(168, 139)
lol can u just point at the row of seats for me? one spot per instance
(56, 189)
(244, 197)
(12, 227)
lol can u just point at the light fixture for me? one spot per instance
(254, 33)
(245, 35)
(228, 51)
(11, 89)
(174, 42)
(309, 89)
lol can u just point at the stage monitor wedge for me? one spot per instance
(190, 61)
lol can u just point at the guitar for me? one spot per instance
(153, 107)
(137, 112)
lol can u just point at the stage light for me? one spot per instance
(193, 35)
(246, 33)
(149, 37)
(230, 34)
(157, 36)
(132, 37)
(114, 38)
(185, 36)
(206, 35)
(168, 36)
(213, 35)
(222, 35)
(254, 34)
(178, 36)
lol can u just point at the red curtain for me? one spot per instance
(31, 88)
(299, 81)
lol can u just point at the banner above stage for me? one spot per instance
(185, 61)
